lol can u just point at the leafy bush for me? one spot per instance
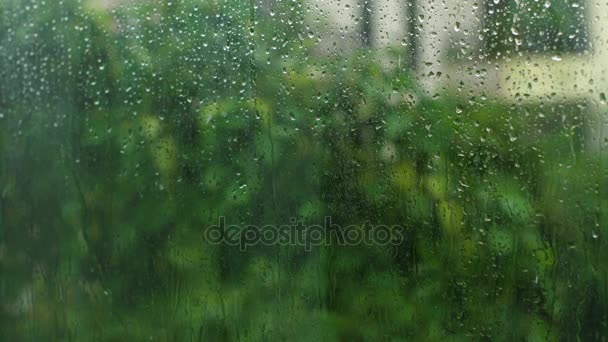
(125, 133)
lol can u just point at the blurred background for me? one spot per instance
(127, 128)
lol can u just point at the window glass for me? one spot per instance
(214, 170)
(536, 26)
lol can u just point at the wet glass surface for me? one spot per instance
(213, 170)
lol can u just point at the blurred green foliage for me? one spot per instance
(124, 133)
(547, 26)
